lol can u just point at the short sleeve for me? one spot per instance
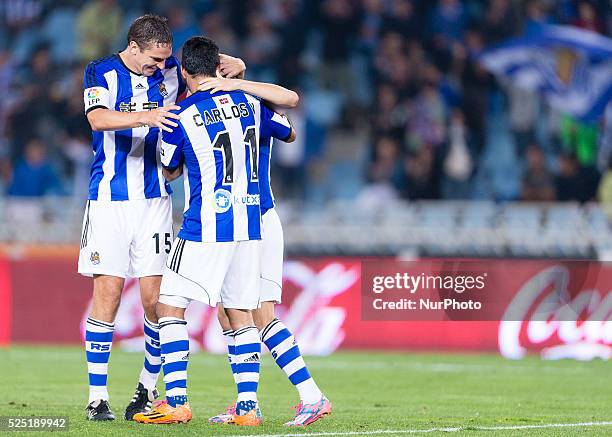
(171, 149)
(274, 125)
(96, 93)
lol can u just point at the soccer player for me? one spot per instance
(127, 226)
(216, 257)
(274, 333)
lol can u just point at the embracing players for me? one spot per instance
(127, 227)
(273, 332)
(216, 257)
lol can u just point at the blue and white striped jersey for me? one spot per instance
(126, 162)
(280, 128)
(217, 145)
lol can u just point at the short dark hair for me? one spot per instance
(200, 56)
(150, 29)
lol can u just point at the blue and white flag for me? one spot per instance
(570, 67)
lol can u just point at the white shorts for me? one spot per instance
(126, 238)
(272, 247)
(226, 272)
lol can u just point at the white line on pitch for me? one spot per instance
(430, 430)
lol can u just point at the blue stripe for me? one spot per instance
(253, 211)
(191, 228)
(154, 351)
(97, 173)
(181, 383)
(247, 367)
(175, 346)
(151, 368)
(244, 387)
(248, 348)
(234, 368)
(123, 142)
(96, 379)
(176, 366)
(231, 349)
(299, 376)
(277, 338)
(100, 337)
(225, 220)
(151, 333)
(288, 356)
(151, 179)
(265, 189)
(97, 357)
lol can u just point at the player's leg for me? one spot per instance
(148, 254)
(99, 329)
(193, 271)
(174, 339)
(103, 255)
(228, 335)
(240, 294)
(276, 335)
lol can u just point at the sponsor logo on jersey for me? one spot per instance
(222, 200)
(95, 258)
(140, 86)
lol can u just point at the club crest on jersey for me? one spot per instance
(95, 258)
(222, 200)
(162, 90)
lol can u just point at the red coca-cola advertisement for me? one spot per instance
(554, 309)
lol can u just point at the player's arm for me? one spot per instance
(171, 153)
(231, 67)
(96, 96)
(276, 125)
(103, 119)
(275, 94)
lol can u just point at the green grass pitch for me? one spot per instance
(372, 394)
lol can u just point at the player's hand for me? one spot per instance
(161, 117)
(215, 84)
(231, 67)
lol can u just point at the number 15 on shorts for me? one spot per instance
(167, 242)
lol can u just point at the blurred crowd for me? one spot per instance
(392, 103)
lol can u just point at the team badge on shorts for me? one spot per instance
(95, 258)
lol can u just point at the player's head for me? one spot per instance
(200, 57)
(149, 44)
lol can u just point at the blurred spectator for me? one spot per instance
(538, 182)
(386, 165)
(182, 25)
(604, 191)
(537, 15)
(587, 18)
(422, 180)
(458, 163)
(522, 111)
(212, 25)
(339, 26)
(261, 49)
(98, 24)
(448, 20)
(500, 21)
(426, 124)
(576, 183)
(34, 176)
